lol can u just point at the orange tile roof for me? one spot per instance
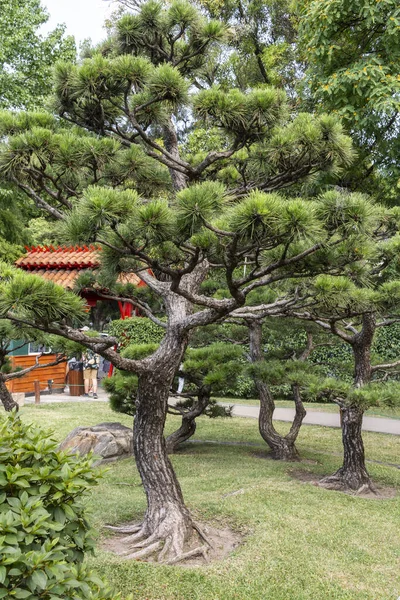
(64, 265)
(48, 257)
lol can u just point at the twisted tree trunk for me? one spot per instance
(353, 474)
(188, 425)
(168, 530)
(6, 397)
(167, 526)
(282, 447)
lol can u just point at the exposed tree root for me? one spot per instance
(367, 487)
(201, 533)
(170, 541)
(124, 528)
(180, 558)
(349, 483)
(145, 552)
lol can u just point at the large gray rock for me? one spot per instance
(111, 441)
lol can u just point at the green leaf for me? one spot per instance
(40, 579)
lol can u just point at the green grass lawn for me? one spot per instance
(301, 542)
(377, 411)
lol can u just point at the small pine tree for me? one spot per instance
(206, 371)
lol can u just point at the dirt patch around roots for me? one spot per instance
(382, 492)
(268, 456)
(223, 541)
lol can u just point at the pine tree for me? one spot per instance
(353, 313)
(210, 213)
(293, 373)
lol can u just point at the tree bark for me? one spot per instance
(166, 518)
(6, 397)
(188, 425)
(282, 447)
(167, 524)
(179, 180)
(353, 474)
(361, 346)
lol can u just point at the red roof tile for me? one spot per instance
(60, 258)
(63, 265)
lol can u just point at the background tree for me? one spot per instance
(26, 56)
(27, 59)
(291, 372)
(262, 45)
(352, 50)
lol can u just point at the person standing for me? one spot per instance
(91, 365)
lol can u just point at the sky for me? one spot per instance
(83, 18)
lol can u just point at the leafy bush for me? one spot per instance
(136, 330)
(43, 530)
(242, 387)
(387, 343)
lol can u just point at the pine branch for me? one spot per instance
(99, 345)
(142, 306)
(40, 203)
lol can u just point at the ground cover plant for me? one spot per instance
(229, 485)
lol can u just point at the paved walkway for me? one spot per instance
(377, 424)
(55, 398)
(313, 417)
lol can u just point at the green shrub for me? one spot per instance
(43, 530)
(136, 330)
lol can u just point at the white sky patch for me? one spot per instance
(83, 18)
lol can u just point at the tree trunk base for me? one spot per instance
(287, 452)
(168, 537)
(348, 481)
(181, 435)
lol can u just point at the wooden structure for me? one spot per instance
(62, 265)
(48, 377)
